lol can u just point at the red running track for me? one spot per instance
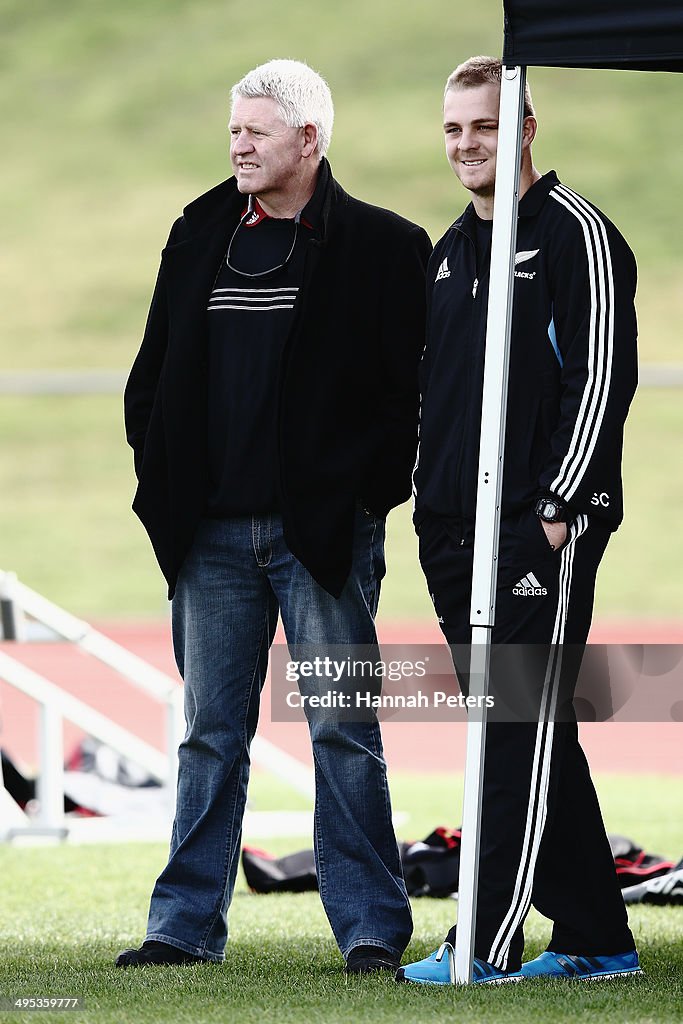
(409, 746)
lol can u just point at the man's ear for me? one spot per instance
(529, 126)
(310, 140)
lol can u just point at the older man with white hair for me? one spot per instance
(272, 410)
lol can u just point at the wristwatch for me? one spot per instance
(550, 509)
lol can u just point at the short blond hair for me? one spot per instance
(483, 71)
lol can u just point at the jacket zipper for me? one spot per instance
(461, 452)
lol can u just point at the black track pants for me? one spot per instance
(543, 840)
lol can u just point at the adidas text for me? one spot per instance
(529, 586)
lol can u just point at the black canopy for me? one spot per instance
(636, 35)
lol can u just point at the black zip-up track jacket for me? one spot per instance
(573, 362)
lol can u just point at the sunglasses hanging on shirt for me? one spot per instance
(242, 224)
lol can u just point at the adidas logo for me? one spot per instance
(443, 271)
(529, 586)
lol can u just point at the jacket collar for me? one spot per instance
(534, 198)
(529, 205)
(224, 203)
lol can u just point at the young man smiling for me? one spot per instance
(272, 410)
(572, 376)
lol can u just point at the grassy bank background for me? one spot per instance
(114, 116)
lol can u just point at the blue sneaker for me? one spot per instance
(582, 968)
(439, 969)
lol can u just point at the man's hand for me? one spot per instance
(556, 533)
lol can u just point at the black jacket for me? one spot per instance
(573, 365)
(348, 394)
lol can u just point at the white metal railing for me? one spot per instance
(56, 705)
(20, 610)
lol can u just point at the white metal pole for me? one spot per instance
(175, 731)
(50, 787)
(489, 489)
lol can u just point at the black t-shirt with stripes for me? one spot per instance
(249, 319)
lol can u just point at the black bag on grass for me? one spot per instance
(431, 867)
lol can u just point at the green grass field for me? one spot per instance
(114, 116)
(68, 910)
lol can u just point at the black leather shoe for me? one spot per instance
(156, 954)
(370, 959)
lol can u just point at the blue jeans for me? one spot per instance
(237, 576)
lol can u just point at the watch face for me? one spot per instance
(548, 509)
